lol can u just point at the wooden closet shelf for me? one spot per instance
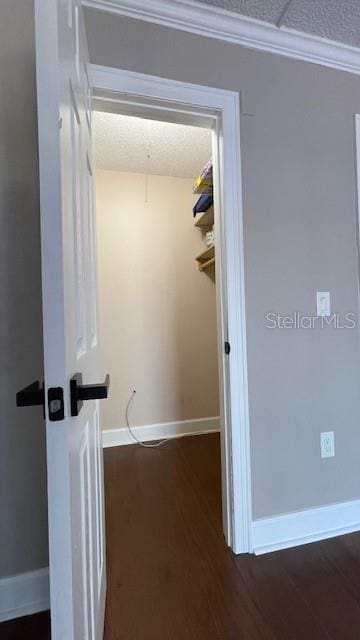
(206, 219)
(206, 258)
(206, 265)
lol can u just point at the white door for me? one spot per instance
(74, 452)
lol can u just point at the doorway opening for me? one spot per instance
(177, 343)
(156, 264)
(157, 281)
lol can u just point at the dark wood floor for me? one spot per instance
(30, 628)
(171, 577)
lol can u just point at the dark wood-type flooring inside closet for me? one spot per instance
(171, 577)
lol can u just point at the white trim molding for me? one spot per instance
(357, 162)
(164, 430)
(214, 22)
(24, 594)
(302, 527)
(190, 102)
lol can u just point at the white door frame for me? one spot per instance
(357, 162)
(191, 103)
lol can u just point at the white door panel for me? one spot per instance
(69, 273)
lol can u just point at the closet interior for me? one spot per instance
(156, 255)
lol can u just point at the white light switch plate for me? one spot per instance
(327, 444)
(322, 303)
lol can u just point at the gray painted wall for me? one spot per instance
(300, 237)
(23, 525)
(300, 233)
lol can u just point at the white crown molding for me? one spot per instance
(209, 21)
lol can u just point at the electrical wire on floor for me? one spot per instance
(143, 444)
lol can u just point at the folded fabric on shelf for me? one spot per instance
(210, 238)
(203, 184)
(204, 202)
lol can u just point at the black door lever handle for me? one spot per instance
(30, 396)
(34, 395)
(80, 392)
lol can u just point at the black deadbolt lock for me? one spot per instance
(56, 403)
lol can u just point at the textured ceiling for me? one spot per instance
(124, 143)
(268, 10)
(333, 19)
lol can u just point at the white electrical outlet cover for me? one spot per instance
(322, 303)
(327, 442)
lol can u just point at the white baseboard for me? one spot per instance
(24, 594)
(121, 436)
(302, 527)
